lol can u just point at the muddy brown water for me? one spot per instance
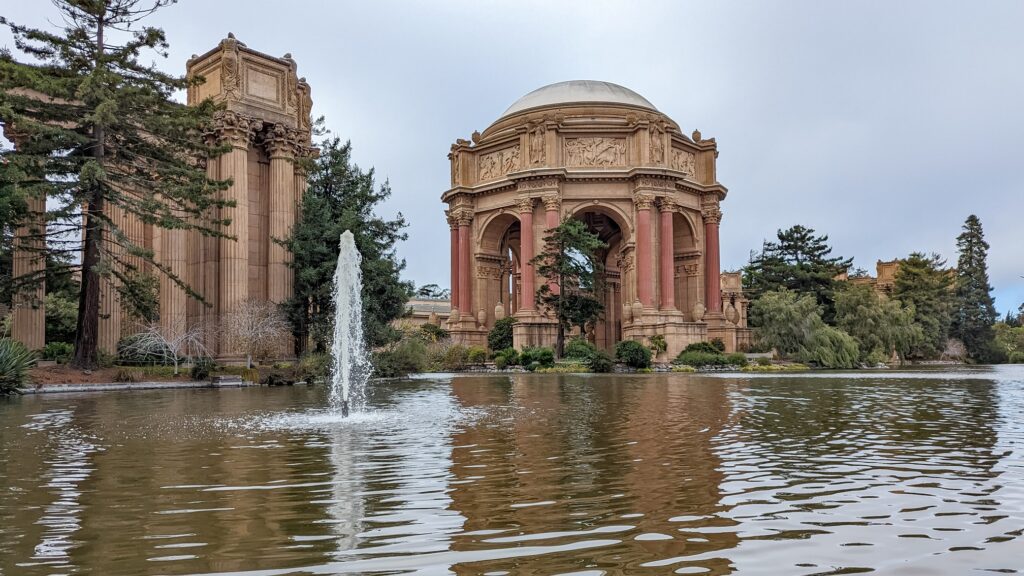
(821, 473)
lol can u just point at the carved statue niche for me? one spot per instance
(456, 165)
(537, 144)
(230, 77)
(657, 144)
(291, 86)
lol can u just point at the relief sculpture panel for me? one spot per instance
(684, 161)
(495, 164)
(595, 151)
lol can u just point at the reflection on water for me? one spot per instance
(895, 473)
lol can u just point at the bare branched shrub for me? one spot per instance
(174, 344)
(257, 328)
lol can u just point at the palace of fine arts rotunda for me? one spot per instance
(605, 155)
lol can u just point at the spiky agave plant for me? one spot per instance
(15, 362)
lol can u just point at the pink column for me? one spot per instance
(551, 221)
(644, 264)
(528, 294)
(712, 260)
(668, 276)
(455, 262)
(465, 294)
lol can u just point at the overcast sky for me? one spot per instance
(883, 124)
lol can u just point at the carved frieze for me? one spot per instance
(498, 163)
(540, 184)
(684, 161)
(691, 269)
(595, 151)
(661, 186)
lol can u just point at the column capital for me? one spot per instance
(235, 128)
(552, 202)
(709, 209)
(666, 204)
(281, 141)
(463, 216)
(643, 201)
(524, 205)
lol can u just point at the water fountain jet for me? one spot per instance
(351, 367)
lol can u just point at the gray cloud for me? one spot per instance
(882, 124)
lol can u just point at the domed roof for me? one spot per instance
(578, 92)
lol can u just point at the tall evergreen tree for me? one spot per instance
(99, 133)
(342, 197)
(571, 263)
(975, 311)
(798, 261)
(923, 283)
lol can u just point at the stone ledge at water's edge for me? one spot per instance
(117, 386)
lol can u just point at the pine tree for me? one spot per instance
(923, 283)
(342, 197)
(975, 311)
(798, 261)
(571, 263)
(99, 134)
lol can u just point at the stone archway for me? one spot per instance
(498, 267)
(612, 228)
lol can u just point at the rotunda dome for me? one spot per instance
(578, 92)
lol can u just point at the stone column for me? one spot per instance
(528, 294)
(453, 226)
(465, 219)
(110, 317)
(551, 205)
(28, 315)
(644, 261)
(210, 288)
(173, 300)
(281, 149)
(712, 216)
(667, 257)
(233, 268)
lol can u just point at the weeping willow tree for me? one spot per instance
(98, 133)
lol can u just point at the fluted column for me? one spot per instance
(28, 316)
(281, 149)
(667, 258)
(110, 317)
(453, 225)
(233, 269)
(712, 216)
(644, 261)
(528, 294)
(173, 300)
(465, 219)
(551, 205)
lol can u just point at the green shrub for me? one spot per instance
(500, 362)
(706, 347)
(500, 337)
(830, 348)
(251, 375)
(600, 362)
(633, 354)
(201, 368)
(509, 356)
(315, 367)
(698, 359)
(658, 343)
(15, 362)
(407, 356)
(476, 355)
(454, 358)
(579, 349)
(433, 332)
(736, 359)
(1016, 358)
(124, 375)
(719, 344)
(542, 356)
(565, 368)
(59, 352)
(683, 369)
(762, 361)
(105, 359)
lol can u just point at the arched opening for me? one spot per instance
(611, 229)
(687, 264)
(498, 278)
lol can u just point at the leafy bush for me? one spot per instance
(579, 349)
(141, 350)
(683, 369)
(658, 343)
(433, 332)
(500, 337)
(762, 361)
(830, 348)
(500, 363)
(719, 344)
(315, 367)
(698, 359)
(1016, 358)
(506, 357)
(407, 356)
(601, 362)
(59, 352)
(736, 359)
(633, 354)
(15, 362)
(706, 347)
(125, 375)
(454, 358)
(476, 355)
(201, 368)
(565, 368)
(537, 357)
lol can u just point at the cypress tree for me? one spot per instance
(100, 134)
(975, 311)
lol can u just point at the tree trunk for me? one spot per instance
(87, 328)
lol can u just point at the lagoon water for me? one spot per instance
(820, 473)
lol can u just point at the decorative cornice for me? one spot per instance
(538, 185)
